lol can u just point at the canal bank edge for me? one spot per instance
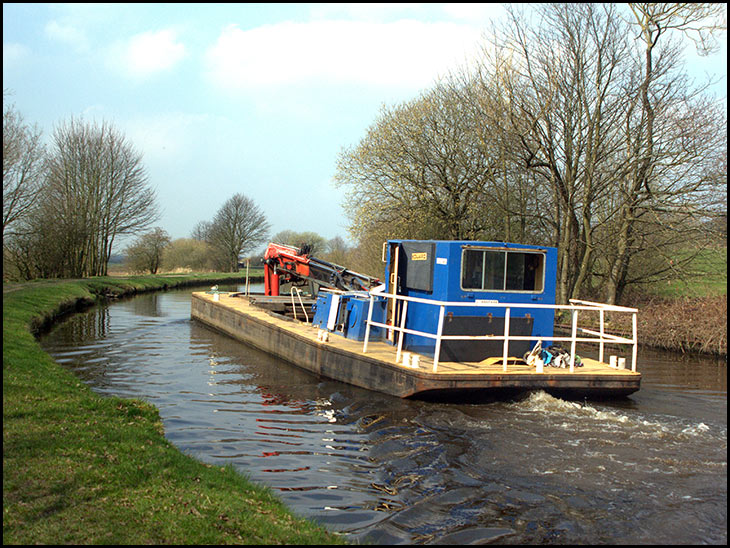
(81, 468)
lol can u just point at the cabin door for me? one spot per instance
(411, 270)
(396, 269)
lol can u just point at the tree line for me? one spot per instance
(65, 205)
(577, 128)
(208, 249)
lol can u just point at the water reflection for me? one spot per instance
(648, 469)
(149, 306)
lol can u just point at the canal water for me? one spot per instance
(648, 469)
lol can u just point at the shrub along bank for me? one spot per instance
(79, 468)
(687, 325)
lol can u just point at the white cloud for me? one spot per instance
(406, 53)
(474, 11)
(167, 136)
(68, 34)
(365, 10)
(148, 53)
(14, 54)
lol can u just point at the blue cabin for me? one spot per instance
(482, 273)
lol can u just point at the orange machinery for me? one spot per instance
(286, 264)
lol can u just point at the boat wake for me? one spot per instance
(592, 414)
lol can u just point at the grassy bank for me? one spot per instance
(79, 468)
(688, 315)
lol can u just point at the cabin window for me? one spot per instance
(502, 270)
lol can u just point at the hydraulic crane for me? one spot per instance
(286, 264)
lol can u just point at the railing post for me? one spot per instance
(600, 344)
(505, 350)
(572, 342)
(301, 302)
(402, 327)
(367, 325)
(575, 309)
(439, 332)
(634, 334)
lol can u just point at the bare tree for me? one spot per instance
(699, 21)
(23, 157)
(145, 254)
(561, 82)
(623, 158)
(649, 187)
(562, 134)
(517, 201)
(238, 227)
(200, 231)
(97, 190)
(418, 172)
(337, 251)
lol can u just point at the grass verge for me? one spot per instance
(705, 276)
(79, 468)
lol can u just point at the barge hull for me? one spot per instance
(343, 360)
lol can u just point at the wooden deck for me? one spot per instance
(343, 359)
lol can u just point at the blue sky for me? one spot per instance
(251, 98)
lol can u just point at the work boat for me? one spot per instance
(453, 319)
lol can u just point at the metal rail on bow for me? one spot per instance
(601, 337)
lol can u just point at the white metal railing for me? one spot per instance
(301, 302)
(602, 339)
